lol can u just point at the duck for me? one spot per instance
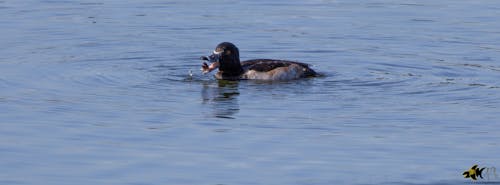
(226, 58)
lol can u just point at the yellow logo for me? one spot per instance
(474, 172)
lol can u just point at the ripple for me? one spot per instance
(489, 67)
(422, 20)
(179, 72)
(485, 59)
(91, 3)
(144, 59)
(411, 4)
(98, 79)
(318, 51)
(412, 66)
(5, 83)
(418, 92)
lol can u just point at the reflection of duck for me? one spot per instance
(222, 97)
(226, 57)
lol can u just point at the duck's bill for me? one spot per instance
(215, 57)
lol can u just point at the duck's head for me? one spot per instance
(226, 57)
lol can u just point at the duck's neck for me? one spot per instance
(231, 67)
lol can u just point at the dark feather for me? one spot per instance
(265, 65)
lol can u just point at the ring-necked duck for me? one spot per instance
(226, 57)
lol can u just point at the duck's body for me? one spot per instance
(226, 58)
(268, 69)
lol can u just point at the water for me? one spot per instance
(99, 92)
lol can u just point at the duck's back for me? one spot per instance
(268, 69)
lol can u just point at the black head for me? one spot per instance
(228, 51)
(228, 56)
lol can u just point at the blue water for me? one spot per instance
(99, 92)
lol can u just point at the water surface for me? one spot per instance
(100, 92)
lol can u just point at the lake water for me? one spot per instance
(99, 92)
